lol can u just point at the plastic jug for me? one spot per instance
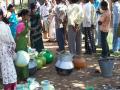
(46, 85)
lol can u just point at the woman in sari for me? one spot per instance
(22, 42)
(22, 31)
(36, 29)
(12, 19)
(7, 51)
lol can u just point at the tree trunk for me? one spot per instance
(21, 3)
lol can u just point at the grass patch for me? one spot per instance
(115, 54)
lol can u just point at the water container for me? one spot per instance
(46, 85)
(106, 66)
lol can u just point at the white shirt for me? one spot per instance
(89, 15)
(44, 10)
(60, 11)
(74, 14)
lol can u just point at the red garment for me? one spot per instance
(11, 86)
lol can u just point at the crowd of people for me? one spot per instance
(64, 21)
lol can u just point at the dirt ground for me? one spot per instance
(79, 79)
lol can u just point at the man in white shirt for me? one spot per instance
(60, 18)
(88, 22)
(44, 11)
(74, 18)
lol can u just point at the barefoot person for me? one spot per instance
(104, 23)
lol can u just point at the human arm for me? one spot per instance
(102, 19)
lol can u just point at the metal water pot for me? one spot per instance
(64, 64)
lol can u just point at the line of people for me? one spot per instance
(64, 21)
(91, 12)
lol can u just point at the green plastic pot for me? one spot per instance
(48, 55)
(39, 63)
(43, 59)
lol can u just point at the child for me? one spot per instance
(104, 23)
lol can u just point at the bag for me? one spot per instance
(110, 39)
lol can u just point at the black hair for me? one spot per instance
(73, 1)
(32, 6)
(23, 12)
(4, 19)
(115, 0)
(10, 6)
(104, 5)
(1, 12)
(86, 1)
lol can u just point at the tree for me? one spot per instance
(21, 3)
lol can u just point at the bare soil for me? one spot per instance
(79, 79)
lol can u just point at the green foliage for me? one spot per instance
(18, 7)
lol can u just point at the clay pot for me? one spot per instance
(79, 62)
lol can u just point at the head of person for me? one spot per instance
(58, 1)
(81, 1)
(33, 7)
(36, 1)
(54, 1)
(104, 5)
(86, 1)
(115, 1)
(10, 7)
(73, 1)
(24, 13)
(46, 2)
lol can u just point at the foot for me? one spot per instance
(60, 50)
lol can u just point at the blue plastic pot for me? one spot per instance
(106, 66)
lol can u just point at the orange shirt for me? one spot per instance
(105, 19)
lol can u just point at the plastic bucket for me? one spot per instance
(106, 66)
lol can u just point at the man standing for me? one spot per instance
(44, 11)
(74, 18)
(60, 20)
(88, 23)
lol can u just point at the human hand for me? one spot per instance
(99, 23)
